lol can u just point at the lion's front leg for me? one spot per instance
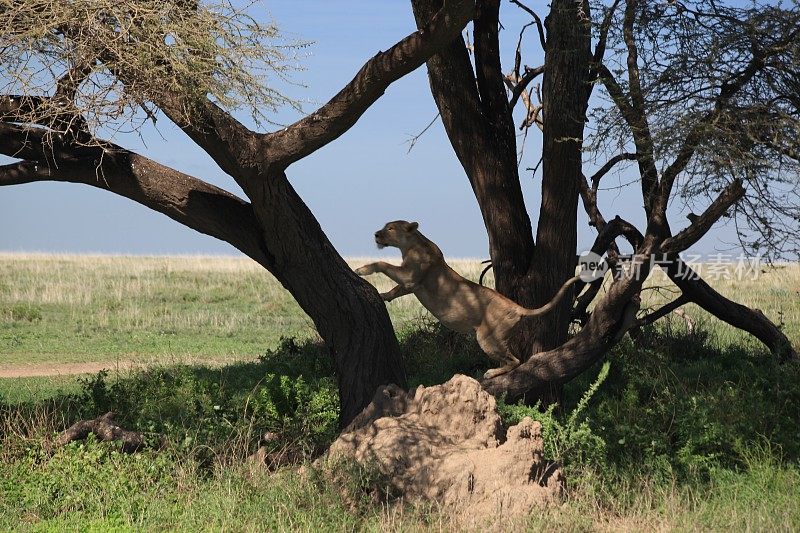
(397, 292)
(370, 268)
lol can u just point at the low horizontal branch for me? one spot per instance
(104, 428)
(184, 198)
(663, 311)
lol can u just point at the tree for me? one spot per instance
(72, 70)
(695, 94)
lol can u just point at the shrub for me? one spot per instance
(568, 440)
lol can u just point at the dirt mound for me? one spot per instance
(446, 444)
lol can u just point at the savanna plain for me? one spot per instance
(685, 429)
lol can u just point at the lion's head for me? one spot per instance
(398, 233)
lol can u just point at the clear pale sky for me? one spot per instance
(353, 185)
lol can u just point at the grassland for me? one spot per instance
(218, 309)
(689, 431)
(144, 309)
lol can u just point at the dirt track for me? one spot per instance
(61, 369)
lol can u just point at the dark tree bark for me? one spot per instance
(277, 229)
(565, 99)
(737, 315)
(477, 117)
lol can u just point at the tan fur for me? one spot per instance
(455, 301)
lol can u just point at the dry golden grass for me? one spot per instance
(94, 308)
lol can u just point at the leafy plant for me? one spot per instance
(570, 440)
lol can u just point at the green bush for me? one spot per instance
(68, 480)
(677, 411)
(568, 440)
(296, 411)
(210, 409)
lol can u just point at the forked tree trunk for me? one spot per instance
(479, 126)
(275, 228)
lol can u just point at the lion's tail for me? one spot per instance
(549, 306)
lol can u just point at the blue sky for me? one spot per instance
(353, 185)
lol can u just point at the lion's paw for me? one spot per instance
(365, 270)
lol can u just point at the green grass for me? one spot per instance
(652, 449)
(39, 388)
(219, 309)
(687, 431)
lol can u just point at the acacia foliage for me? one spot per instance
(109, 63)
(719, 84)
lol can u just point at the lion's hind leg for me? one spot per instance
(497, 350)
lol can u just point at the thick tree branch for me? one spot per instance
(604, 242)
(105, 429)
(188, 200)
(602, 330)
(229, 143)
(233, 146)
(589, 199)
(698, 291)
(642, 137)
(496, 183)
(684, 239)
(343, 110)
(634, 81)
(15, 105)
(602, 40)
(488, 71)
(737, 315)
(520, 84)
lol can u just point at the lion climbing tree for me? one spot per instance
(71, 70)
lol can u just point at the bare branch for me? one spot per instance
(642, 137)
(634, 82)
(488, 71)
(602, 171)
(600, 49)
(728, 90)
(692, 140)
(343, 110)
(663, 311)
(700, 226)
(414, 138)
(518, 84)
(537, 20)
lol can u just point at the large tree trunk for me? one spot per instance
(564, 95)
(475, 113)
(349, 314)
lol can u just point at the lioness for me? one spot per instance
(456, 302)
